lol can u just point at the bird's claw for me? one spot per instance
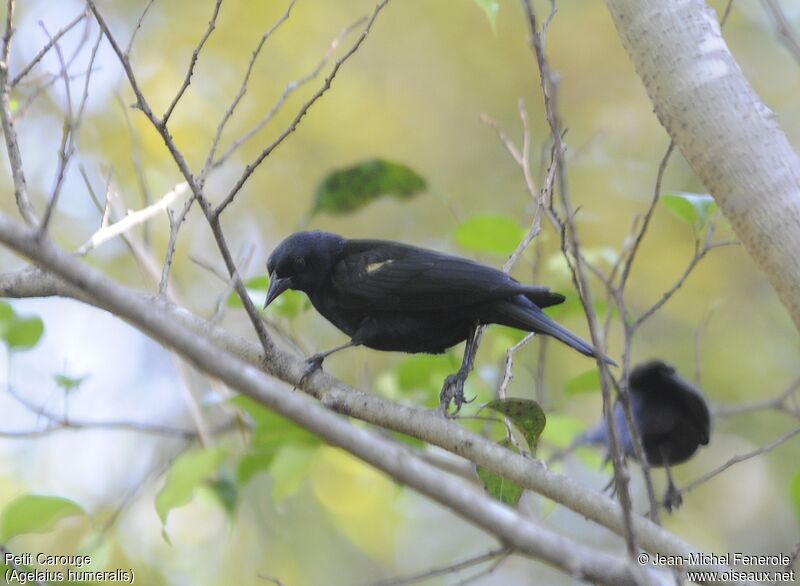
(611, 487)
(672, 498)
(453, 390)
(313, 364)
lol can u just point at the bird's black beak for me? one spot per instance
(276, 287)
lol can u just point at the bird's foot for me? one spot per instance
(313, 364)
(453, 390)
(672, 498)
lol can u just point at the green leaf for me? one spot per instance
(289, 305)
(289, 470)
(252, 463)
(490, 234)
(490, 8)
(32, 513)
(189, 471)
(794, 493)
(694, 208)
(347, 190)
(6, 314)
(226, 492)
(583, 383)
(257, 290)
(270, 434)
(271, 430)
(69, 384)
(22, 333)
(526, 415)
(499, 487)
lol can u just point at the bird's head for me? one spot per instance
(303, 261)
(650, 374)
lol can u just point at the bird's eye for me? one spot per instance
(299, 264)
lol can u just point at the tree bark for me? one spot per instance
(732, 141)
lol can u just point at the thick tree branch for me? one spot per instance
(729, 137)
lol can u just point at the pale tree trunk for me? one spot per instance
(729, 137)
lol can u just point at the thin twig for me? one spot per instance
(212, 215)
(192, 62)
(52, 79)
(699, 255)
(484, 572)
(780, 402)
(290, 88)
(72, 124)
(175, 223)
(740, 458)
(105, 209)
(9, 132)
(445, 570)
(49, 45)
(64, 153)
(62, 423)
(245, 256)
(242, 89)
(129, 498)
(134, 219)
(623, 267)
(541, 198)
(645, 223)
(138, 26)
(783, 27)
(571, 244)
(508, 371)
(138, 164)
(248, 171)
(726, 14)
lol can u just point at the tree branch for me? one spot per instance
(334, 394)
(699, 93)
(9, 132)
(394, 459)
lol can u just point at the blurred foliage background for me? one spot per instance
(275, 503)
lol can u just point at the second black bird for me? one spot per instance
(671, 416)
(391, 296)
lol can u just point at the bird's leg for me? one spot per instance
(314, 363)
(672, 496)
(453, 388)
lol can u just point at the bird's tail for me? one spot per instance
(531, 318)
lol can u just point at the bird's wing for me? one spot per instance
(387, 276)
(696, 408)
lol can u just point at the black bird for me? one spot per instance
(671, 416)
(391, 296)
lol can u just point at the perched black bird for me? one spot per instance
(671, 416)
(391, 296)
